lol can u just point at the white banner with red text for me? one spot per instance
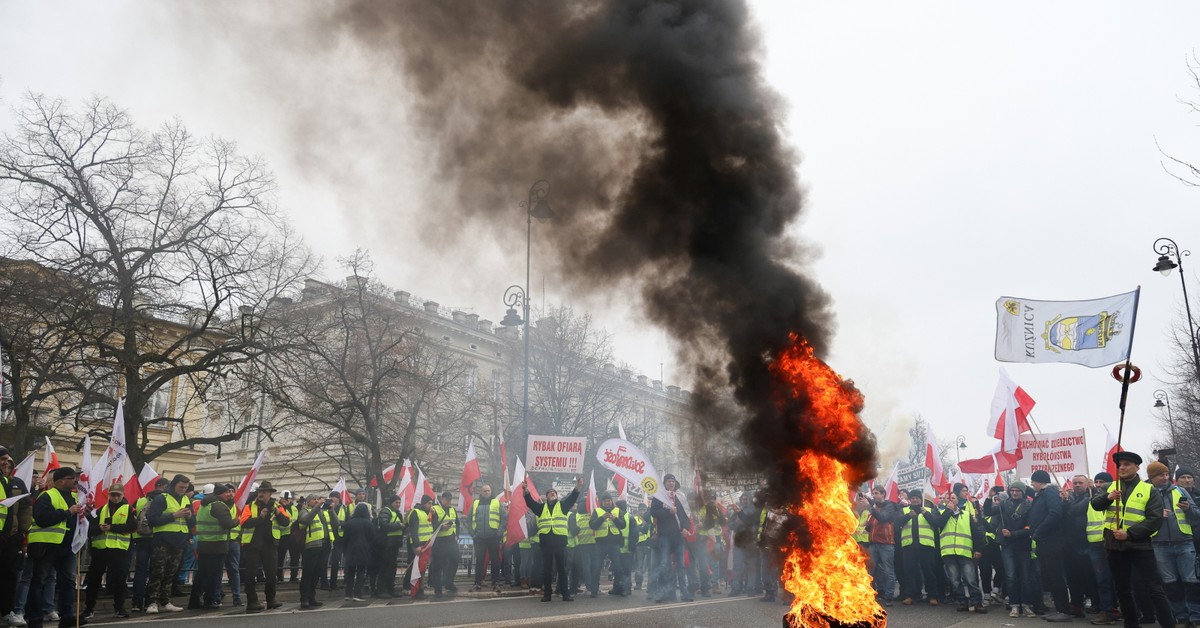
(555, 454)
(625, 459)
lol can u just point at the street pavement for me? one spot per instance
(490, 611)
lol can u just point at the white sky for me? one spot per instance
(952, 153)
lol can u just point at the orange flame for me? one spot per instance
(826, 571)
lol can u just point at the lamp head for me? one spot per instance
(541, 211)
(511, 318)
(1164, 265)
(1158, 403)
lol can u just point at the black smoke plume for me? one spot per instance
(671, 177)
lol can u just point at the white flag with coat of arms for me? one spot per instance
(1092, 333)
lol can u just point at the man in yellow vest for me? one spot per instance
(14, 525)
(214, 520)
(340, 513)
(585, 546)
(110, 529)
(552, 535)
(392, 526)
(317, 528)
(261, 521)
(1133, 515)
(420, 532)
(443, 564)
(1106, 599)
(170, 516)
(487, 522)
(143, 546)
(55, 515)
(288, 546)
(1173, 545)
(961, 536)
(916, 525)
(607, 524)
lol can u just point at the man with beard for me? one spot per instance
(55, 515)
(170, 516)
(552, 536)
(1134, 514)
(487, 521)
(881, 544)
(1173, 545)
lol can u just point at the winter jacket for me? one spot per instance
(359, 535)
(1046, 516)
(222, 513)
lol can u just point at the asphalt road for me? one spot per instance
(632, 612)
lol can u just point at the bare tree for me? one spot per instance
(365, 385)
(172, 236)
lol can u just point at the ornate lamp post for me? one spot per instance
(960, 444)
(1165, 247)
(1161, 400)
(516, 296)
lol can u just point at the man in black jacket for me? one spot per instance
(1136, 517)
(110, 529)
(170, 516)
(55, 515)
(671, 520)
(1047, 530)
(259, 545)
(552, 535)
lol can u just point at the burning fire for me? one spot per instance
(823, 565)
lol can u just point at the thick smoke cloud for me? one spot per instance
(671, 177)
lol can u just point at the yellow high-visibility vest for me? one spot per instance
(445, 514)
(924, 531)
(956, 536)
(57, 533)
(173, 505)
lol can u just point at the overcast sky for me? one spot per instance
(952, 153)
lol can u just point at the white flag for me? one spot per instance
(1091, 333)
(23, 472)
(624, 458)
(84, 496)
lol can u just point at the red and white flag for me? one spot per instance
(1009, 417)
(85, 496)
(24, 472)
(470, 476)
(420, 563)
(141, 484)
(407, 489)
(593, 500)
(517, 507)
(503, 466)
(933, 462)
(243, 489)
(618, 483)
(388, 472)
(49, 461)
(340, 489)
(425, 487)
(891, 486)
(1110, 447)
(115, 466)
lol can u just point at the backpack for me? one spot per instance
(143, 521)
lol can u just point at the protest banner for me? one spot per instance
(624, 458)
(728, 487)
(1061, 454)
(911, 477)
(555, 454)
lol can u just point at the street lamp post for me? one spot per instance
(960, 444)
(1165, 247)
(514, 296)
(1161, 400)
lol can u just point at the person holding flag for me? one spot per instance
(261, 521)
(444, 562)
(55, 517)
(552, 535)
(420, 535)
(111, 528)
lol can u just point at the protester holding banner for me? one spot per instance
(1134, 514)
(552, 535)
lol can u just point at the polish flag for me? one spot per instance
(619, 485)
(426, 487)
(243, 489)
(933, 462)
(340, 489)
(593, 500)
(891, 486)
(141, 484)
(1110, 447)
(470, 476)
(503, 465)
(86, 496)
(419, 564)
(388, 472)
(23, 472)
(407, 490)
(1010, 413)
(49, 461)
(517, 507)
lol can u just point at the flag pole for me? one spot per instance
(1125, 387)
(1036, 441)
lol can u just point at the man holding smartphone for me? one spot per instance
(1173, 547)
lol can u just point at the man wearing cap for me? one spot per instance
(110, 529)
(214, 520)
(1047, 530)
(1015, 549)
(261, 522)
(606, 524)
(671, 520)
(1133, 514)
(552, 535)
(170, 516)
(233, 553)
(487, 522)
(15, 521)
(443, 563)
(143, 546)
(1173, 545)
(338, 516)
(55, 514)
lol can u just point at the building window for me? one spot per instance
(158, 405)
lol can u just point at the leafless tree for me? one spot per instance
(364, 383)
(173, 236)
(1179, 418)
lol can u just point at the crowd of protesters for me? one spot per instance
(353, 549)
(1098, 549)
